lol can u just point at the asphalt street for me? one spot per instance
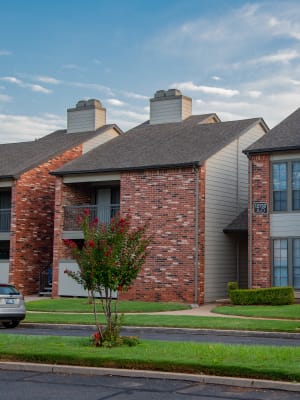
(201, 336)
(25, 385)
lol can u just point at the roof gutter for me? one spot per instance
(138, 168)
(270, 150)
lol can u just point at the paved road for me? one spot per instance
(19, 385)
(173, 335)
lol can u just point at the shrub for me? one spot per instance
(232, 286)
(274, 296)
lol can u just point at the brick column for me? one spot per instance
(261, 252)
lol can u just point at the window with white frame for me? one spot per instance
(286, 262)
(286, 186)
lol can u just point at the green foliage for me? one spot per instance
(82, 305)
(268, 296)
(232, 286)
(265, 362)
(109, 261)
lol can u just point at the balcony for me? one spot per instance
(4, 221)
(73, 214)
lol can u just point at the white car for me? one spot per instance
(12, 306)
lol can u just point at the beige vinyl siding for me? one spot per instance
(99, 139)
(220, 209)
(86, 120)
(186, 108)
(243, 264)
(4, 271)
(285, 224)
(171, 110)
(245, 141)
(226, 196)
(67, 286)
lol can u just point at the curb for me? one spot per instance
(195, 331)
(209, 379)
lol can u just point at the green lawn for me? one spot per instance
(182, 321)
(81, 305)
(232, 360)
(286, 312)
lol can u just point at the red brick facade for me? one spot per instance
(32, 218)
(261, 252)
(168, 198)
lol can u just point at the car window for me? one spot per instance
(8, 290)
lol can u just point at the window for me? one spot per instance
(286, 186)
(296, 185)
(279, 186)
(296, 263)
(280, 262)
(286, 262)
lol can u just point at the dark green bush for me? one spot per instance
(232, 286)
(274, 296)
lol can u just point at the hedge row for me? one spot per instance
(274, 296)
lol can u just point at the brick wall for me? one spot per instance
(167, 197)
(261, 253)
(32, 222)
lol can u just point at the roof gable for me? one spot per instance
(188, 142)
(284, 136)
(16, 158)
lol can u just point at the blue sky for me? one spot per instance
(236, 58)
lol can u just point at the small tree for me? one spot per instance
(109, 261)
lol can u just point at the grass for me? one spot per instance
(182, 321)
(81, 305)
(286, 312)
(281, 363)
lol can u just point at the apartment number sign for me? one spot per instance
(260, 207)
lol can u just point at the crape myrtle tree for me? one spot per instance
(109, 261)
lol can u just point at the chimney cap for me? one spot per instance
(89, 103)
(167, 93)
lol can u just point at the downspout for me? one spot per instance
(250, 225)
(196, 169)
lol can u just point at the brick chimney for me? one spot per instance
(88, 115)
(169, 106)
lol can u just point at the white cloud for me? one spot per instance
(19, 128)
(48, 79)
(5, 53)
(74, 66)
(12, 79)
(255, 94)
(216, 78)
(39, 88)
(190, 86)
(20, 83)
(284, 56)
(135, 96)
(92, 86)
(115, 102)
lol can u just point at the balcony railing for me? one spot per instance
(73, 215)
(4, 219)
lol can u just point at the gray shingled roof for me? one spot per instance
(284, 136)
(163, 145)
(239, 224)
(16, 158)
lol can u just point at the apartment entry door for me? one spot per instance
(103, 205)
